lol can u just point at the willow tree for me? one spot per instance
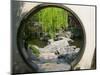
(52, 19)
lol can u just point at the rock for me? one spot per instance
(68, 34)
(62, 47)
(67, 57)
(77, 50)
(56, 45)
(51, 57)
(57, 56)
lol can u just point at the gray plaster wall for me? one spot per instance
(18, 65)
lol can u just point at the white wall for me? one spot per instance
(87, 16)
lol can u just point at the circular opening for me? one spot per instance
(51, 37)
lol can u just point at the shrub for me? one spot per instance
(34, 50)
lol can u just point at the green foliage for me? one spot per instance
(34, 50)
(51, 20)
